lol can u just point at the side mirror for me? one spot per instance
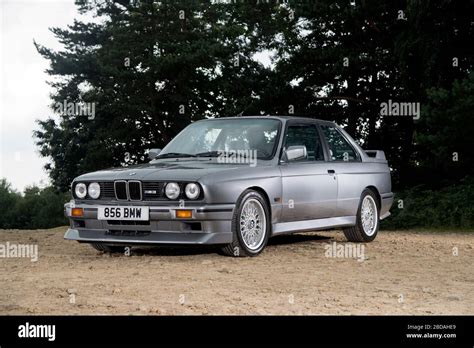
(152, 153)
(294, 153)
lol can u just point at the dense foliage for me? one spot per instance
(36, 208)
(420, 207)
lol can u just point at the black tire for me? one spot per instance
(356, 233)
(108, 248)
(238, 248)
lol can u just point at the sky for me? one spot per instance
(24, 93)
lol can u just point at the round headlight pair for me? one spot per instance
(81, 190)
(191, 190)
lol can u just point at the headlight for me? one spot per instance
(172, 190)
(192, 191)
(80, 190)
(94, 190)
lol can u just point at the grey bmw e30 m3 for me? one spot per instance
(236, 182)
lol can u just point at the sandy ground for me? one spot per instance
(401, 273)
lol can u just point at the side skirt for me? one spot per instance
(310, 225)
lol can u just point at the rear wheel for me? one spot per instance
(250, 225)
(108, 248)
(367, 223)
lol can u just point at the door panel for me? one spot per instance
(309, 190)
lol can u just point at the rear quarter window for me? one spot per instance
(339, 148)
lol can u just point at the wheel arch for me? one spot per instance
(265, 196)
(377, 195)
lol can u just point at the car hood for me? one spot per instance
(177, 170)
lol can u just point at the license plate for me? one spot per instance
(123, 213)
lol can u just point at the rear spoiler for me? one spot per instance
(376, 155)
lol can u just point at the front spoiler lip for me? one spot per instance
(156, 238)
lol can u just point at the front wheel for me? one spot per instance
(250, 225)
(367, 223)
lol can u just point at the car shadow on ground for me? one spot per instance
(173, 250)
(205, 249)
(297, 238)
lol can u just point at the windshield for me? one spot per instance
(216, 137)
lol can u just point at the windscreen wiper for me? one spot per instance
(174, 155)
(214, 154)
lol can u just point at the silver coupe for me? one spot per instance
(235, 182)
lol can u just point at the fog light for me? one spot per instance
(77, 212)
(184, 214)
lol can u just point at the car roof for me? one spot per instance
(282, 118)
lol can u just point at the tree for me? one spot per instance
(8, 200)
(150, 68)
(445, 146)
(36, 208)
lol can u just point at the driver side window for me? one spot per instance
(306, 135)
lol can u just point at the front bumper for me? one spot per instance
(210, 224)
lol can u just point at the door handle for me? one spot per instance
(331, 171)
